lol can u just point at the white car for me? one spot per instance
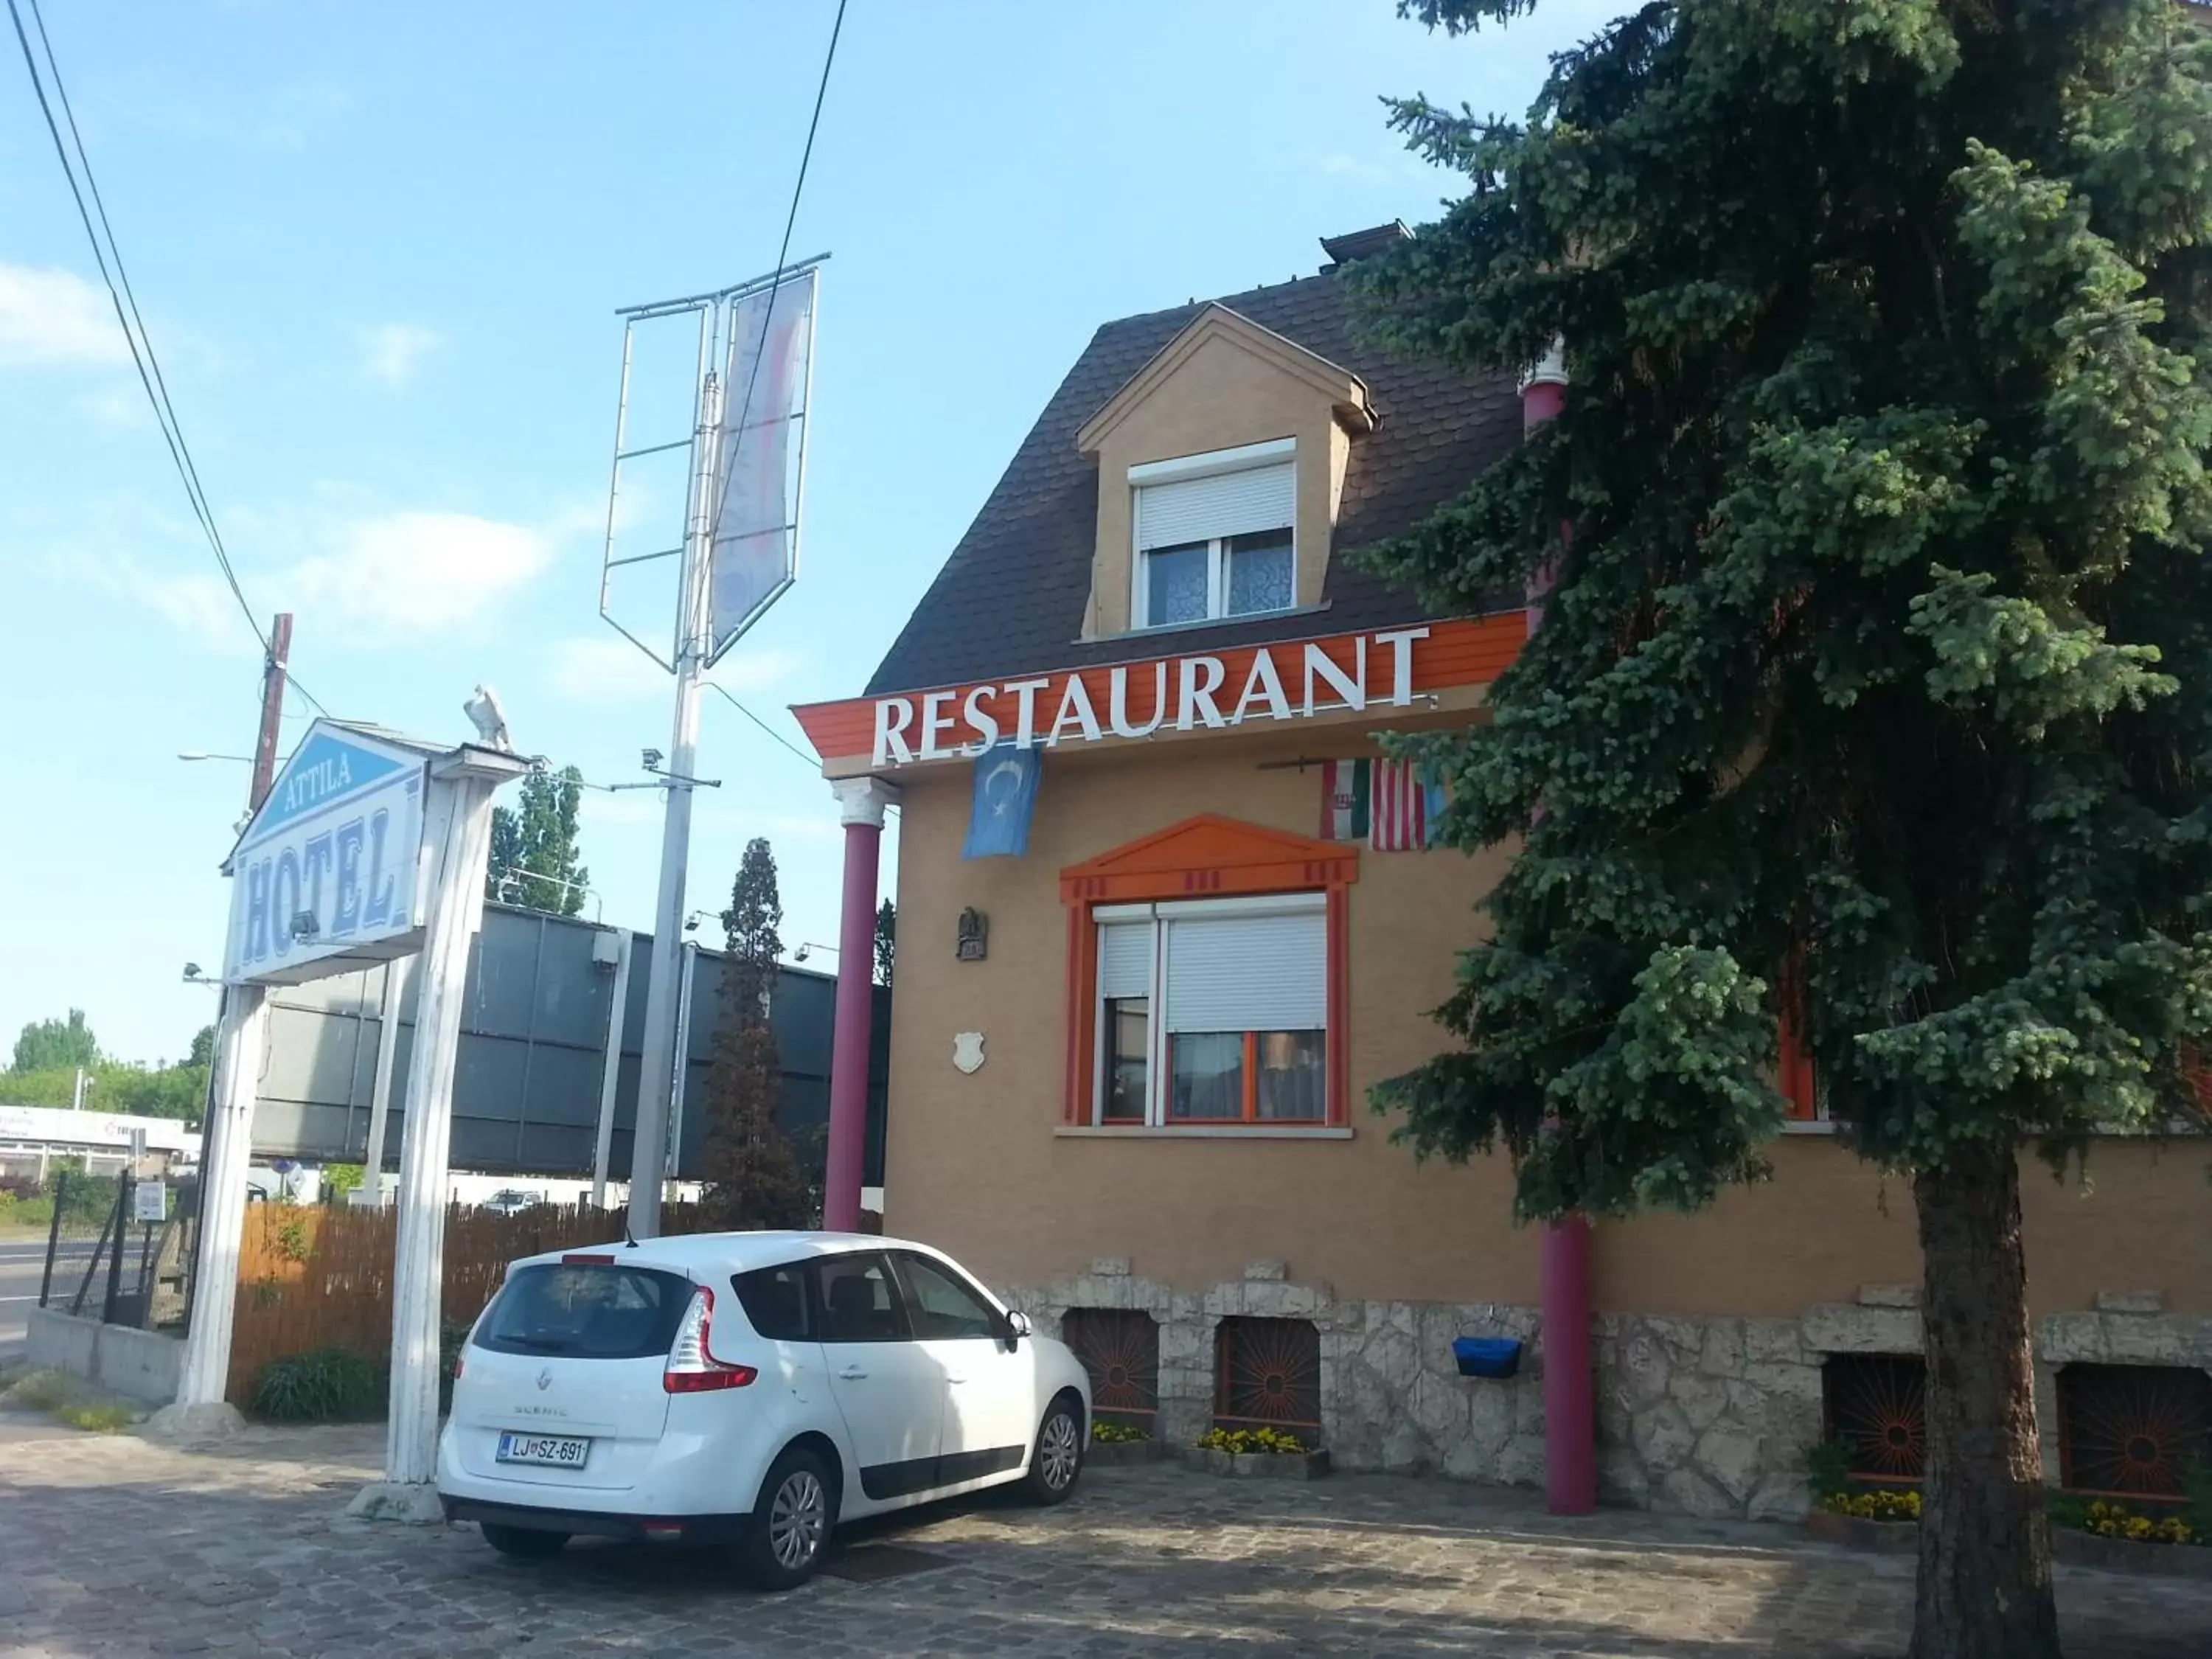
(754, 1388)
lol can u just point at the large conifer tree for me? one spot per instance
(1875, 646)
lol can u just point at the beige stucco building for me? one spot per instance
(1130, 1065)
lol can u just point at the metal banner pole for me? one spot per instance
(611, 1071)
(658, 1059)
(380, 1099)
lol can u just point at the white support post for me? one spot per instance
(227, 1149)
(379, 1097)
(461, 851)
(610, 1070)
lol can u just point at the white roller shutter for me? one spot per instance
(1264, 973)
(1226, 504)
(1125, 959)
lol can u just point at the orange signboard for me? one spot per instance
(1283, 680)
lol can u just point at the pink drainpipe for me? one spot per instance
(861, 802)
(1570, 1402)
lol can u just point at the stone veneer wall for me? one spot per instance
(1704, 1416)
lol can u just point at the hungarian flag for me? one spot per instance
(1343, 799)
(1388, 804)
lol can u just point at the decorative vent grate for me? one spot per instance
(1267, 1372)
(1122, 1351)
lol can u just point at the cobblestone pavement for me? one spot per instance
(112, 1546)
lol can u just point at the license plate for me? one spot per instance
(555, 1450)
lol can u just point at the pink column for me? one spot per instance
(860, 803)
(1569, 1408)
(1570, 1404)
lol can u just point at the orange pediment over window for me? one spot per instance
(1206, 855)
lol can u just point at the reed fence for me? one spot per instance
(313, 1278)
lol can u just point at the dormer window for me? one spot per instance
(1214, 534)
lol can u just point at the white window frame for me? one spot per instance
(1210, 463)
(1156, 1023)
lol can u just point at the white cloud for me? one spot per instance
(49, 315)
(197, 605)
(602, 668)
(756, 670)
(121, 407)
(391, 353)
(418, 573)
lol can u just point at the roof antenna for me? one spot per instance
(629, 1238)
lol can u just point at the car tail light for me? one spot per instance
(692, 1367)
(459, 1361)
(576, 1260)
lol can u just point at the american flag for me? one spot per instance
(1398, 808)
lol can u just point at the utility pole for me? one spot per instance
(274, 668)
(659, 1062)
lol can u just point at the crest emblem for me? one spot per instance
(967, 1052)
(544, 1378)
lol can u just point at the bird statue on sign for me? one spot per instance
(484, 711)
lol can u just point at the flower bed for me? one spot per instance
(2102, 1519)
(1263, 1453)
(2089, 1532)
(1113, 1444)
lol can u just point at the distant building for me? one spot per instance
(35, 1139)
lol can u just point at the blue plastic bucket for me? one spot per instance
(1486, 1355)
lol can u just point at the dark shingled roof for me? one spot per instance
(1011, 598)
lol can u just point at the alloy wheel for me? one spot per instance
(1057, 1449)
(797, 1519)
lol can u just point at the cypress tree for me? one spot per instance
(753, 1178)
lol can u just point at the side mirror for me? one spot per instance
(1017, 1325)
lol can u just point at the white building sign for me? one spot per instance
(330, 868)
(1281, 683)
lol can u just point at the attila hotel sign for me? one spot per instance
(330, 866)
(1284, 682)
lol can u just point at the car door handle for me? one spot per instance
(852, 1374)
(951, 1377)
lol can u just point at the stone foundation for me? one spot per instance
(1705, 1417)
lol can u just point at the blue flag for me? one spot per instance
(1005, 795)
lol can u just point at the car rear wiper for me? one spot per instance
(541, 1344)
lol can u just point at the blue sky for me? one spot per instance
(379, 248)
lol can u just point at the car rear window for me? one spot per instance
(584, 1311)
(774, 1299)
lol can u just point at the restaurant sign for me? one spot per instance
(1286, 682)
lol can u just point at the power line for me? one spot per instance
(133, 324)
(805, 155)
(765, 727)
(783, 252)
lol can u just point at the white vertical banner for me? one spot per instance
(761, 459)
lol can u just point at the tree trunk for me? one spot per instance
(1984, 1586)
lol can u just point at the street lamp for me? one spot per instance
(203, 755)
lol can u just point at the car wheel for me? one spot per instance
(791, 1522)
(523, 1543)
(1058, 1459)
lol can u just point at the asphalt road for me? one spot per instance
(21, 1265)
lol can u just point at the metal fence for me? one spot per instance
(120, 1249)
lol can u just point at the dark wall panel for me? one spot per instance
(533, 1032)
